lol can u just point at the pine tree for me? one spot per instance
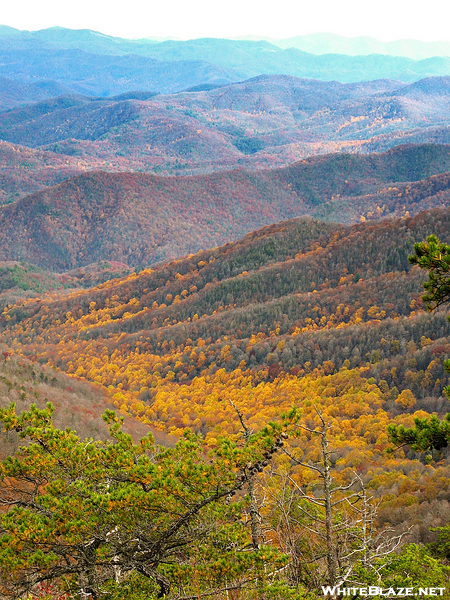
(95, 515)
(433, 256)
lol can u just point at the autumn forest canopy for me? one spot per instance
(224, 336)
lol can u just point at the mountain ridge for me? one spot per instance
(265, 122)
(328, 43)
(139, 219)
(82, 60)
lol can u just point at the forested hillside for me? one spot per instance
(24, 280)
(77, 404)
(139, 219)
(323, 317)
(265, 122)
(286, 300)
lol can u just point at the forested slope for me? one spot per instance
(139, 219)
(286, 299)
(316, 316)
(267, 121)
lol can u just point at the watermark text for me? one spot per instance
(397, 592)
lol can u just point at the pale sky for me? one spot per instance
(385, 20)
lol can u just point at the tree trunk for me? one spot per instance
(254, 522)
(331, 548)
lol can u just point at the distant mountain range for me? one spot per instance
(87, 142)
(316, 43)
(268, 121)
(330, 43)
(92, 63)
(140, 219)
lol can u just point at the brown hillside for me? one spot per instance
(140, 219)
(78, 404)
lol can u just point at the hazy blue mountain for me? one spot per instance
(105, 75)
(91, 41)
(251, 58)
(89, 62)
(316, 43)
(6, 31)
(14, 93)
(330, 43)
